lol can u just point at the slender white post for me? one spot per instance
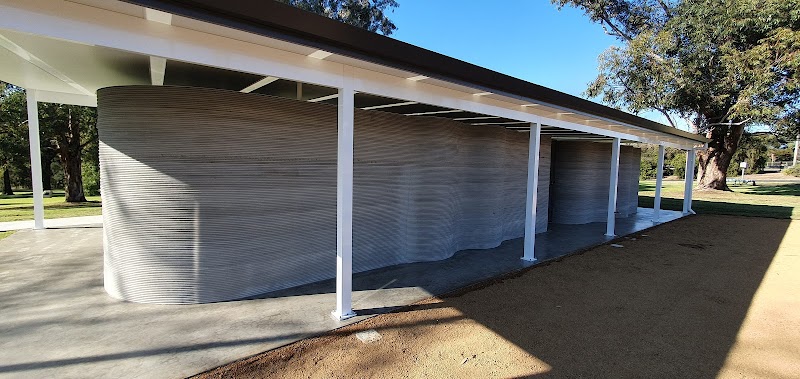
(344, 208)
(796, 150)
(659, 182)
(687, 191)
(533, 186)
(612, 188)
(36, 160)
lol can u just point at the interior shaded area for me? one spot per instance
(470, 266)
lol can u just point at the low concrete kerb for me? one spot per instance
(55, 223)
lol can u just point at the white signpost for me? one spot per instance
(743, 165)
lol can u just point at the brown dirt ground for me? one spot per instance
(673, 302)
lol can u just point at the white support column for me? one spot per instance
(36, 160)
(659, 182)
(533, 186)
(796, 150)
(344, 208)
(612, 188)
(687, 191)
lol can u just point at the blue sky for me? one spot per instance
(528, 39)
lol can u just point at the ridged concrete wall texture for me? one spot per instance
(213, 195)
(580, 175)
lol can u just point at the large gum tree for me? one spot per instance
(715, 65)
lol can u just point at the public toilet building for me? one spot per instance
(249, 147)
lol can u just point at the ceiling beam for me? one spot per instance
(158, 65)
(476, 118)
(158, 16)
(323, 98)
(320, 54)
(259, 84)
(158, 68)
(434, 112)
(34, 60)
(390, 105)
(501, 123)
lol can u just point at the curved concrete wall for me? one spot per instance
(579, 188)
(213, 195)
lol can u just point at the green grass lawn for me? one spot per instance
(777, 201)
(6, 234)
(19, 207)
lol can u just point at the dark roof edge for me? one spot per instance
(273, 19)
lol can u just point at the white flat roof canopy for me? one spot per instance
(67, 50)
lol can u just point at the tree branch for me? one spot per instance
(618, 32)
(666, 9)
(88, 142)
(664, 112)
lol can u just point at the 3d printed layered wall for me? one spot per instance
(212, 195)
(580, 181)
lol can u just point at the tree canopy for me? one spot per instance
(13, 133)
(67, 132)
(719, 65)
(365, 14)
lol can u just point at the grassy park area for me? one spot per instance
(773, 200)
(19, 207)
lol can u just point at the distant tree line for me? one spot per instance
(756, 149)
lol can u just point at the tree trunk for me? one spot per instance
(713, 163)
(47, 172)
(74, 180)
(7, 182)
(70, 155)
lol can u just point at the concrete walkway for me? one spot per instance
(57, 320)
(54, 223)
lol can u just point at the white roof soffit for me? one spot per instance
(114, 26)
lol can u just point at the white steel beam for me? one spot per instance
(36, 160)
(392, 105)
(475, 118)
(612, 188)
(259, 84)
(66, 98)
(659, 182)
(44, 66)
(434, 112)
(532, 192)
(158, 16)
(687, 190)
(344, 208)
(158, 68)
(323, 98)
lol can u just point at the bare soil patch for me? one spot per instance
(674, 301)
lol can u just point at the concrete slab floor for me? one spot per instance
(57, 320)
